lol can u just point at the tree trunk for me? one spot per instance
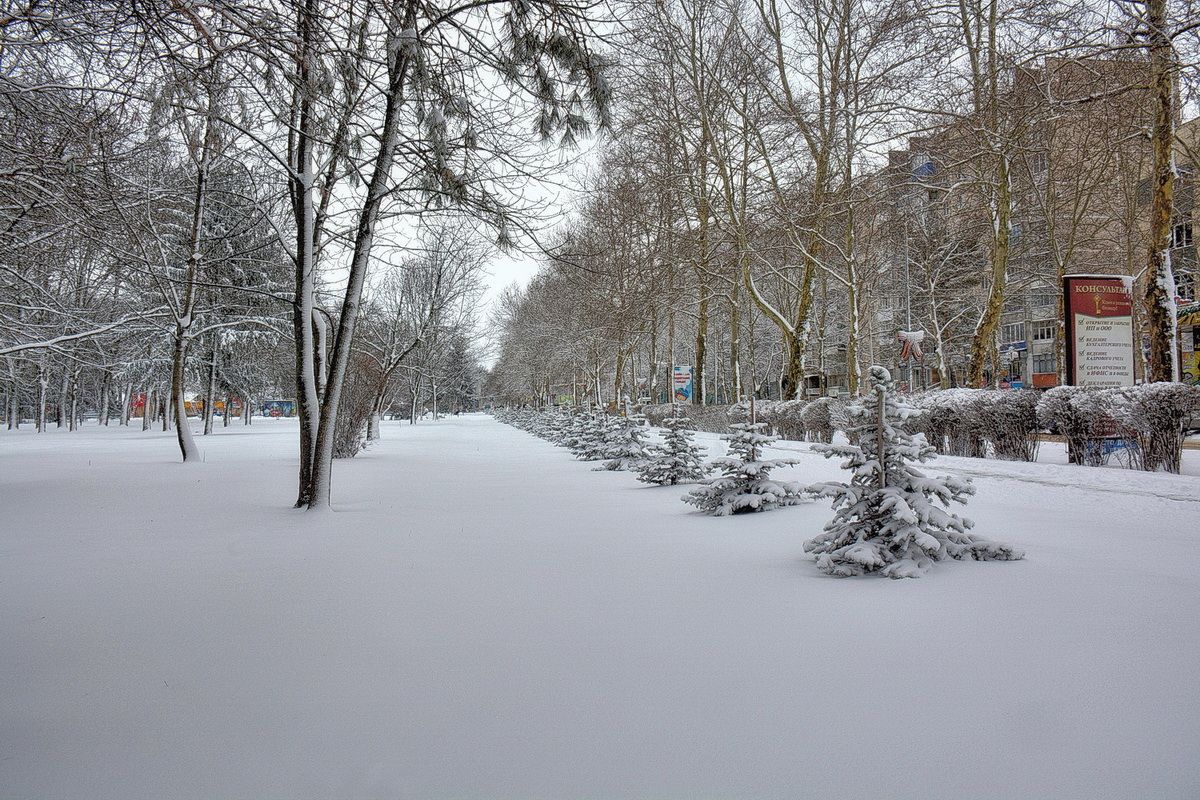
(301, 188)
(376, 416)
(126, 400)
(1159, 297)
(735, 343)
(618, 380)
(43, 386)
(147, 404)
(364, 239)
(210, 393)
(983, 342)
(73, 404)
(105, 392)
(699, 395)
(63, 400)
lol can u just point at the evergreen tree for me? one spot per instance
(591, 442)
(677, 458)
(890, 518)
(574, 431)
(625, 443)
(558, 427)
(745, 484)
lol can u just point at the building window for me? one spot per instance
(1037, 163)
(1181, 235)
(1013, 332)
(1041, 300)
(1044, 363)
(1044, 331)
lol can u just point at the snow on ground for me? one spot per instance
(484, 617)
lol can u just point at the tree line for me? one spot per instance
(790, 184)
(270, 199)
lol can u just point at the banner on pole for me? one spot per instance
(681, 384)
(910, 346)
(1099, 311)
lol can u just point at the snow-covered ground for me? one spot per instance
(484, 617)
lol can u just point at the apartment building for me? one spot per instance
(1071, 134)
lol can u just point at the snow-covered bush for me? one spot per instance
(1073, 421)
(953, 419)
(745, 484)
(624, 443)
(655, 414)
(927, 421)
(1166, 407)
(740, 411)
(820, 419)
(714, 419)
(677, 458)
(787, 418)
(539, 423)
(1156, 414)
(891, 518)
(1009, 420)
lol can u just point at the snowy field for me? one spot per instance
(484, 617)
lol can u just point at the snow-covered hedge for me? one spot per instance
(1146, 421)
(655, 414)
(739, 413)
(822, 418)
(976, 422)
(1159, 412)
(714, 419)
(1009, 421)
(950, 421)
(1139, 426)
(787, 418)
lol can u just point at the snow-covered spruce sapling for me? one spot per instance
(592, 442)
(559, 427)
(574, 431)
(891, 518)
(677, 459)
(625, 443)
(745, 484)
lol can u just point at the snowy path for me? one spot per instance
(484, 617)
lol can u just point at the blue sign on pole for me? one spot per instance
(681, 384)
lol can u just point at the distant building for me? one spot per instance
(1073, 133)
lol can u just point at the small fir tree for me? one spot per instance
(591, 444)
(745, 484)
(625, 443)
(891, 518)
(556, 427)
(575, 430)
(677, 458)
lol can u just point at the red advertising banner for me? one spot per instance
(1099, 310)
